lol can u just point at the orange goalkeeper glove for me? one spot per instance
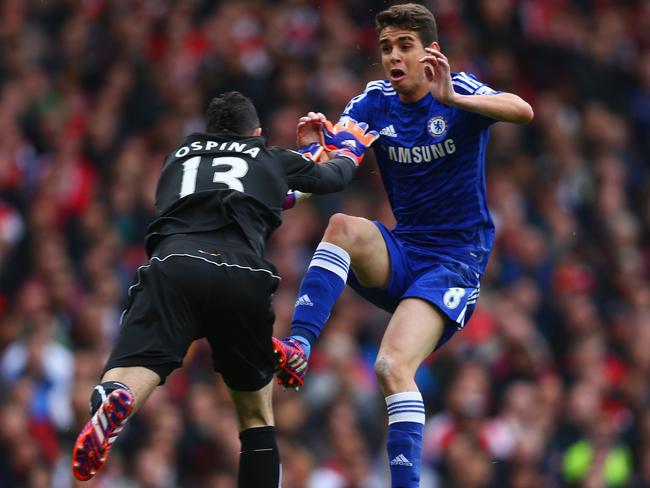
(349, 138)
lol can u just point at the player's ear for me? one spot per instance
(257, 132)
(434, 45)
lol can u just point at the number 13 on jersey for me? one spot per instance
(236, 169)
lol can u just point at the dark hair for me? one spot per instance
(409, 16)
(232, 112)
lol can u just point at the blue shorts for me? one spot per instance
(449, 285)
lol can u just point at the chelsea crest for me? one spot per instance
(437, 126)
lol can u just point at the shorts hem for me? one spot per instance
(248, 386)
(162, 368)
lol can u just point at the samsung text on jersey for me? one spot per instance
(421, 154)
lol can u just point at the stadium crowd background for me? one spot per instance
(547, 386)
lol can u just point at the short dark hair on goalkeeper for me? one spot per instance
(233, 112)
(411, 16)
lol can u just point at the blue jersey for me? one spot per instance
(432, 163)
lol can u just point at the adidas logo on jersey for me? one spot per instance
(305, 301)
(401, 460)
(388, 131)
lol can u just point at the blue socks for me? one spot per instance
(320, 288)
(404, 443)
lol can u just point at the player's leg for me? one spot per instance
(140, 382)
(364, 243)
(411, 335)
(259, 459)
(348, 241)
(239, 323)
(121, 392)
(150, 345)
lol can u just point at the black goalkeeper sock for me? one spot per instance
(101, 391)
(259, 460)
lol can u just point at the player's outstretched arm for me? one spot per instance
(505, 107)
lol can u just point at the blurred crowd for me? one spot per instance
(547, 386)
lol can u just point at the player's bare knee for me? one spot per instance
(341, 231)
(388, 372)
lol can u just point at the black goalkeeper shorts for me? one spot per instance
(194, 287)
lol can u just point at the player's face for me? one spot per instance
(401, 50)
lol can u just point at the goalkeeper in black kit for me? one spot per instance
(219, 198)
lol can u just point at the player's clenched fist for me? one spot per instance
(349, 138)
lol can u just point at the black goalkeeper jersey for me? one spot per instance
(212, 181)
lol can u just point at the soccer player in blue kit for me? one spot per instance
(434, 129)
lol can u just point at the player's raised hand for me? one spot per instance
(349, 138)
(308, 130)
(438, 74)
